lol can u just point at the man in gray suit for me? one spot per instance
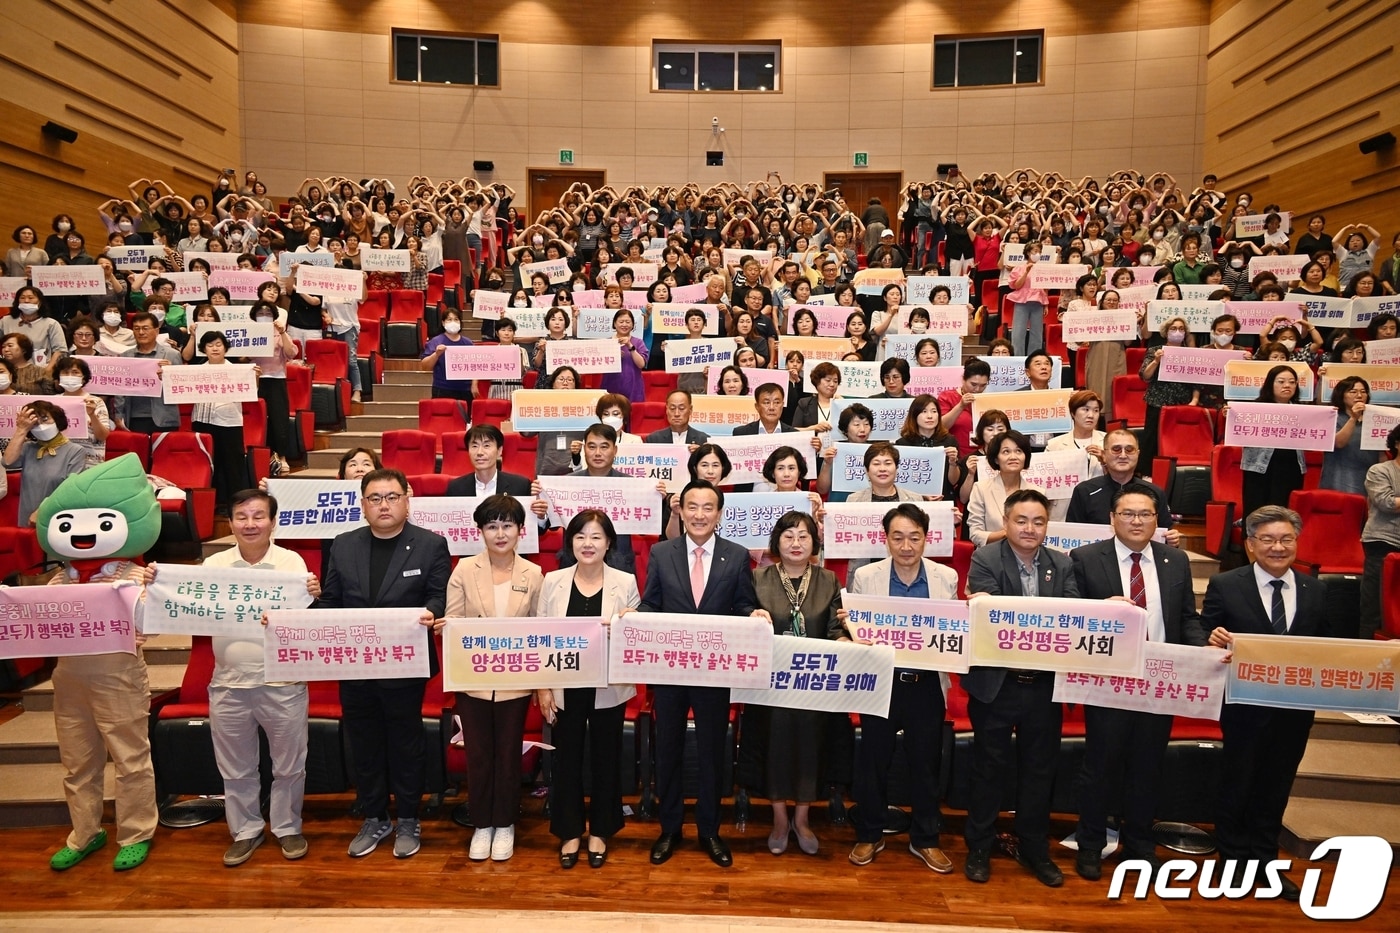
(1123, 749)
(678, 430)
(1002, 700)
(390, 564)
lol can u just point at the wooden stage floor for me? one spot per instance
(184, 873)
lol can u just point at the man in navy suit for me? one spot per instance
(678, 430)
(484, 445)
(1123, 749)
(1263, 744)
(768, 403)
(695, 573)
(390, 564)
(1002, 700)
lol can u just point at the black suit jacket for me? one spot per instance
(507, 484)
(806, 414)
(728, 591)
(347, 575)
(994, 571)
(1097, 576)
(663, 436)
(1233, 603)
(753, 426)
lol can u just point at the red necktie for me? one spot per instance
(1137, 590)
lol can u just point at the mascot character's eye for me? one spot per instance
(65, 527)
(106, 526)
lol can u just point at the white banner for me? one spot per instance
(288, 261)
(1052, 276)
(340, 284)
(1287, 268)
(905, 346)
(690, 649)
(1321, 310)
(1197, 314)
(1066, 536)
(756, 378)
(1177, 680)
(228, 602)
(858, 380)
(926, 634)
(451, 517)
(385, 260)
(1009, 373)
(1363, 309)
(658, 463)
(68, 280)
(1376, 424)
(692, 356)
(8, 286)
(856, 529)
(643, 273)
(345, 644)
(835, 676)
(1053, 472)
(557, 270)
(494, 363)
(667, 318)
(889, 413)
(316, 508)
(918, 289)
(490, 306)
(189, 286)
(935, 380)
(920, 470)
(217, 261)
(230, 382)
(1253, 225)
(524, 654)
(134, 258)
(633, 505)
(1090, 636)
(1383, 352)
(748, 452)
(749, 517)
(597, 323)
(248, 338)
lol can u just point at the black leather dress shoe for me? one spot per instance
(568, 859)
(1089, 864)
(1045, 871)
(665, 847)
(978, 867)
(717, 850)
(1290, 890)
(596, 859)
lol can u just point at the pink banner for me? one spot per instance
(482, 362)
(344, 644)
(1096, 326)
(585, 356)
(242, 284)
(831, 321)
(1197, 366)
(688, 293)
(328, 282)
(933, 380)
(64, 621)
(229, 382)
(693, 650)
(1289, 427)
(119, 375)
(1254, 316)
(68, 280)
(756, 377)
(74, 408)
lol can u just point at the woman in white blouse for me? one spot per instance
(1009, 454)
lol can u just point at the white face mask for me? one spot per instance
(614, 422)
(1158, 234)
(451, 327)
(44, 432)
(1236, 263)
(28, 308)
(1289, 344)
(4, 381)
(70, 383)
(538, 240)
(520, 304)
(1176, 336)
(159, 315)
(64, 226)
(112, 318)
(918, 327)
(124, 226)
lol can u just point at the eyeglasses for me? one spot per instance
(389, 498)
(1132, 517)
(1270, 541)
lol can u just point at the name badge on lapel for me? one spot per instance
(519, 588)
(412, 573)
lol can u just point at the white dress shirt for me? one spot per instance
(488, 489)
(1156, 624)
(1264, 580)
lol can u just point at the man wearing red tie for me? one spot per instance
(1123, 749)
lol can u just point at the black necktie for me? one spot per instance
(1277, 616)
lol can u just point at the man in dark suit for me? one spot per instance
(679, 431)
(768, 402)
(389, 564)
(695, 573)
(1001, 700)
(599, 452)
(1092, 500)
(484, 445)
(1263, 744)
(1123, 749)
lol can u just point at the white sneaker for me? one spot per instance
(503, 845)
(481, 845)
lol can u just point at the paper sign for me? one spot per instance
(719, 415)
(75, 408)
(340, 284)
(856, 529)
(288, 261)
(905, 346)
(345, 644)
(831, 321)
(1256, 225)
(889, 413)
(690, 649)
(242, 339)
(919, 288)
(385, 260)
(1287, 268)
(1287, 427)
(1053, 472)
(749, 517)
(584, 356)
(748, 452)
(451, 517)
(597, 323)
(134, 258)
(117, 375)
(670, 318)
(921, 469)
(1254, 316)
(1057, 275)
(1196, 366)
(1009, 373)
(658, 463)
(67, 621)
(735, 257)
(1056, 634)
(643, 273)
(242, 284)
(1298, 672)
(310, 509)
(1135, 298)
(858, 380)
(534, 410)
(68, 280)
(1364, 309)
(524, 654)
(8, 286)
(814, 348)
(529, 322)
(489, 305)
(935, 380)
(1376, 424)
(835, 676)
(1096, 326)
(1383, 380)
(1383, 352)
(756, 378)
(557, 270)
(494, 363)
(1244, 378)
(692, 356)
(229, 382)
(1066, 536)
(634, 505)
(1041, 411)
(217, 261)
(1177, 680)
(227, 602)
(926, 634)
(1194, 292)
(1198, 315)
(189, 286)
(1323, 310)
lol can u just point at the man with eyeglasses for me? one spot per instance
(1263, 744)
(1002, 700)
(388, 564)
(1123, 749)
(1092, 500)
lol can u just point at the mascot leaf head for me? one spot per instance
(105, 511)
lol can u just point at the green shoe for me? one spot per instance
(65, 858)
(128, 857)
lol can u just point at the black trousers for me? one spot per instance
(1027, 710)
(492, 733)
(711, 707)
(916, 706)
(1263, 746)
(384, 725)
(581, 726)
(273, 392)
(1123, 751)
(1376, 553)
(230, 460)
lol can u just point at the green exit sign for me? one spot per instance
(862, 160)
(566, 157)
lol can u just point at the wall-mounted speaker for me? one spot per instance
(714, 157)
(947, 168)
(64, 134)
(1377, 143)
(483, 165)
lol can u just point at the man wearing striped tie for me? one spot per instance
(1123, 749)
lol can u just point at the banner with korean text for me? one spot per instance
(229, 382)
(920, 470)
(643, 273)
(1298, 672)
(690, 650)
(935, 380)
(1376, 424)
(1096, 326)
(906, 347)
(1383, 352)
(834, 676)
(288, 262)
(1197, 366)
(1009, 373)
(134, 258)
(494, 363)
(1383, 380)
(1039, 411)
(749, 517)
(10, 284)
(1088, 636)
(926, 634)
(120, 375)
(1364, 309)
(830, 349)
(242, 284)
(585, 356)
(228, 602)
(189, 286)
(831, 319)
(1255, 225)
(1177, 680)
(1050, 275)
(1289, 427)
(670, 318)
(858, 380)
(557, 270)
(756, 378)
(856, 529)
(1254, 316)
(218, 261)
(524, 654)
(67, 621)
(1320, 310)
(633, 505)
(1198, 315)
(316, 508)
(597, 323)
(385, 260)
(1244, 379)
(1287, 268)
(74, 407)
(345, 644)
(918, 289)
(748, 452)
(248, 338)
(949, 320)
(451, 517)
(554, 409)
(1066, 536)
(719, 415)
(657, 463)
(889, 413)
(1053, 472)
(337, 284)
(490, 306)
(692, 356)
(68, 280)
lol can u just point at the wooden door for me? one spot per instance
(548, 184)
(859, 187)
